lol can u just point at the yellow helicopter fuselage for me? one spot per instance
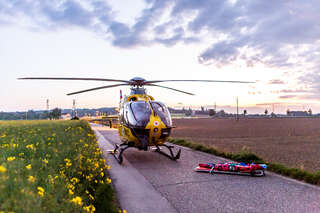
(155, 127)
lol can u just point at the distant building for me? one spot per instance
(65, 116)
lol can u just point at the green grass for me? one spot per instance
(52, 166)
(247, 157)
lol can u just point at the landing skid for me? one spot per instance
(117, 152)
(119, 149)
(171, 156)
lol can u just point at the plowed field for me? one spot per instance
(294, 142)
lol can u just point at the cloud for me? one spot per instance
(288, 96)
(54, 14)
(279, 34)
(255, 31)
(293, 91)
(268, 104)
(276, 81)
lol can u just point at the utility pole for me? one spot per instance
(48, 105)
(74, 110)
(48, 109)
(237, 109)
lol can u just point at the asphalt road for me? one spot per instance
(182, 189)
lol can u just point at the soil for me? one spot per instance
(294, 142)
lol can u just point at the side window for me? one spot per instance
(162, 111)
(129, 117)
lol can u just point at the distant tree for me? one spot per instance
(244, 112)
(55, 113)
(266, 112)
(188, 112)
(212, 112)
(202, 108)
(221, 113)
(288, 112)
(310, 112)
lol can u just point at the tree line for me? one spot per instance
(32, 115)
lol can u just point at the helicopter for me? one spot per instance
(143, 121)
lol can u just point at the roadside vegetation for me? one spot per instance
(52, 166)
(247, 157)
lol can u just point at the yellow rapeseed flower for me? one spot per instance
(70, 192)
(77, 200)
(31, 179)
(68, 162)
(2, 169)
(29, 146)
(11, 158)
(21, 154)
(75, 180)
(91, 197)
(28, 166)
(108, 180)
(40, 191)
(89, 208)
(45, 161)
(102, 174)
(70, 186)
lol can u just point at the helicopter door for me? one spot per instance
(162, 111)
(138, 113)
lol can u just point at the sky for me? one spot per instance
(273, 43)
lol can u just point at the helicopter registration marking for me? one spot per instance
(156, 123)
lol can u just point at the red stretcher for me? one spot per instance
(252, 169)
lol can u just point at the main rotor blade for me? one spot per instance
(158, 81)
(169, 88)
(84, 79)
(96, 88)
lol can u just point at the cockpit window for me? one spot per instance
(138, 113)
(162, 111)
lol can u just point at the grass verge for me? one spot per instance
(247, 157)
(52, 166)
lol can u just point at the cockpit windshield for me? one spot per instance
(162, 111)
(138, 113)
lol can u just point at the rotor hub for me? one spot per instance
(137, 81)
